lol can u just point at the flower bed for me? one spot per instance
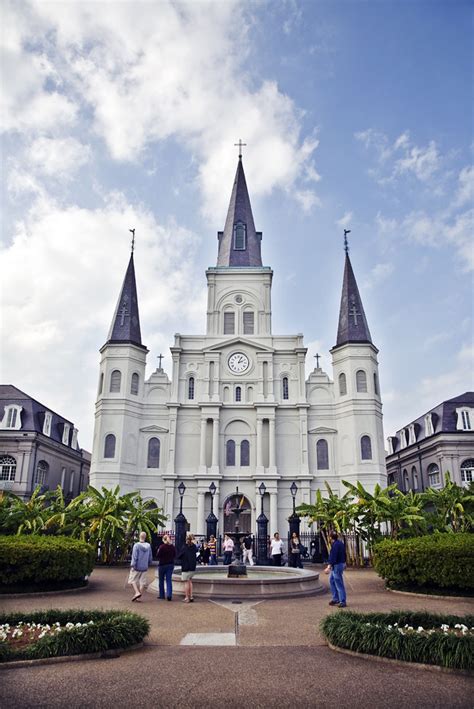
(444, 640)
(53, 633)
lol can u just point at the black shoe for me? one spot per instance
(168, 599)
(342, 605)
(333, 603)
(161, 598)
(191, 600)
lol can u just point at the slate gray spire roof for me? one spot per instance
(353, 325)
(239, 230)
(125, 325)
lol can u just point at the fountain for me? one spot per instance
(237, 569)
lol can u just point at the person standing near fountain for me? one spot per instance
(294, 552)
(276, 549)
(336, 565)
(248, 551)
(213, 550)
(166, 555)
(228, 549)
(188, 558)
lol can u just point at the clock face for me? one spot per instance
(239, 363)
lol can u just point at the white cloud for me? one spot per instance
(378, 274)
(422, 162)
(465, 193)
(345, 220)
(57, 157)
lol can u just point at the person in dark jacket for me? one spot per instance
(336, 565)
(166, 555)
(188, 558)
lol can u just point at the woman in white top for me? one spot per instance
(276, 549)
(228, 549)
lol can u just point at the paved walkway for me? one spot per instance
(270, 655)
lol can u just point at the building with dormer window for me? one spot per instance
(38, 447)
(238, 409)
(440, 441)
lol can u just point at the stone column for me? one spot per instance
(273, 513)
(202, 453)
(259, 445)
(215, 443)
(172, 441)
(272, 444)
(200, 526)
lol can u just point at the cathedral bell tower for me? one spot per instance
(357, 393)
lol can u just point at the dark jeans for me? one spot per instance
(227, 557)
(213, 560)
(165, 571)
(294, 560)
(276, 559)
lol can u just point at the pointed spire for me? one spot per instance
(239, 243)
(353, 325)
(125, 325)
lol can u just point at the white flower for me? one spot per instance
(445, 628)
(420, 629)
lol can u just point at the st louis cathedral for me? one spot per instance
(238, 410)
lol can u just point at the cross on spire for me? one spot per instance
(240, 145)
(160, 357)
(353, 310)
(133, 238)
(346, 244)
(317, 358)
(123, 312)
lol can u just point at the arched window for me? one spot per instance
(101, 383)
(135, 383)
(361, 381)
(366, 448)
(40, 473)
(467, 472)
(342, 384)
(248, 321)
(245, 453)
(109, 446)
(250, 394)
(115, 381)
(238, 393)
(226, 393)
(7, 467)
(229, 322)
(414, 477)
(434, 477)
(230, 453)
(153, 453)
(240, 237)
(376, 384)
(406, 481)
(285, 388)
(191, 388)
(322, 454)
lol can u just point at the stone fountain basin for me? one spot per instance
(262, 583)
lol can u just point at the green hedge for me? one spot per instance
(38, 561)
(111, 630)
(369, 633)
(436, 561)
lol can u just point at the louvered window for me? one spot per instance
(115, 381)
(248, 323)
(229, 323)
(240, 237)
(361, 381)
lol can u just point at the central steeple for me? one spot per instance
(239, 243)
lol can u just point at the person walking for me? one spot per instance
(213, 550)
(294, 556)
(188, 558)
(335, 567)
(276, 549)
(166, 556)
(141, 560)
(228, 549)
(247, 550)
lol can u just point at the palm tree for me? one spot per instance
(141, 515)
(454, 505)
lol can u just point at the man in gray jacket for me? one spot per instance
(141, 559)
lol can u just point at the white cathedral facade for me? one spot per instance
(238, 410)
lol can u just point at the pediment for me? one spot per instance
(238, 341)
(322, 429)
(154, 429)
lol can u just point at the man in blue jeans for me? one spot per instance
(336, 565)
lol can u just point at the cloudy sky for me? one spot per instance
(356, 114)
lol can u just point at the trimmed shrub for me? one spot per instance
(436, 561)
(407, 636)
(43, 561)
(109, 630)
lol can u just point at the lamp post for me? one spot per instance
(262, 530)
(211, 519)
(293, 519)
(180, 521)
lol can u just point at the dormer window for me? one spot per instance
(66, 430)
(465, 419)
(391, 448)
(11, 417)
(429, 430)
(48, 417)
(240, 237)
(74, 438)
(411, 434)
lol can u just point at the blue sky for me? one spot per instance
(356, 114)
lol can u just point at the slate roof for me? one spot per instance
(32, 415)
(239, 210)
(125, 327)
(353, 325)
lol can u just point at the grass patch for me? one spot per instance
(87, 632)
(428, 638)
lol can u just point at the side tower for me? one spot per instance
(120, 395)
(358, 406)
